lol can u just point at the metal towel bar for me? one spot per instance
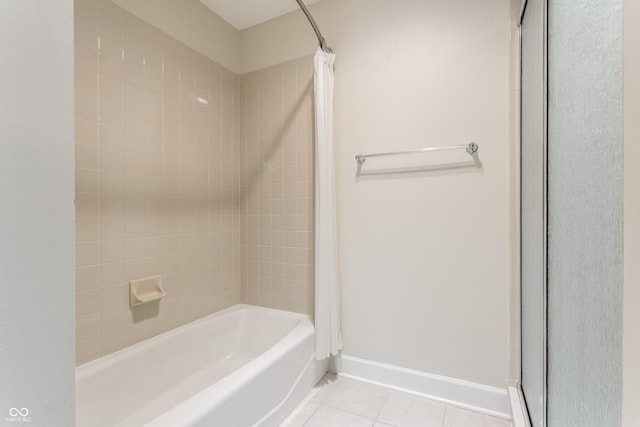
(471, 148)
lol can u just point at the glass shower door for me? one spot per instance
(533, 209)
(571, 212)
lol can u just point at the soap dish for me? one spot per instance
(145, 290)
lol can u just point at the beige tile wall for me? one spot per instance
(187, 170)
(157, 179)
(277, 186)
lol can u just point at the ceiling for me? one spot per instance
(246, 13)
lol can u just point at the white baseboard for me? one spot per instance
(476, 397)
(520, 419)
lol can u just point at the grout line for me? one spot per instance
(382, 406)
(311, 415)
(444, 415)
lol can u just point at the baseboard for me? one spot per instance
(476, 397)
(520, 418)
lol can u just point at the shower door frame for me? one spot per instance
(543, 354)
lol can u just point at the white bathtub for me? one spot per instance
(242, 366)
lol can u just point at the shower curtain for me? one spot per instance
(327, 303)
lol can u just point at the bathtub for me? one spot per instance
(243, 366)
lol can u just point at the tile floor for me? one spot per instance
(343, 402)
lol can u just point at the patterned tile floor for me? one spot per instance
(343, 402)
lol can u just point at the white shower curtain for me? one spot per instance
(327, 294)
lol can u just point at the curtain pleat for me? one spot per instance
(327, 293)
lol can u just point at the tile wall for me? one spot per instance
(276, 185)
(187, 170)
(157, 179)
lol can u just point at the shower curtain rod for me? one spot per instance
(323, 44)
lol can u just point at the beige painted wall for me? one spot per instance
(287, 37)
(631, 318)
(424, 256)
(193, 24)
